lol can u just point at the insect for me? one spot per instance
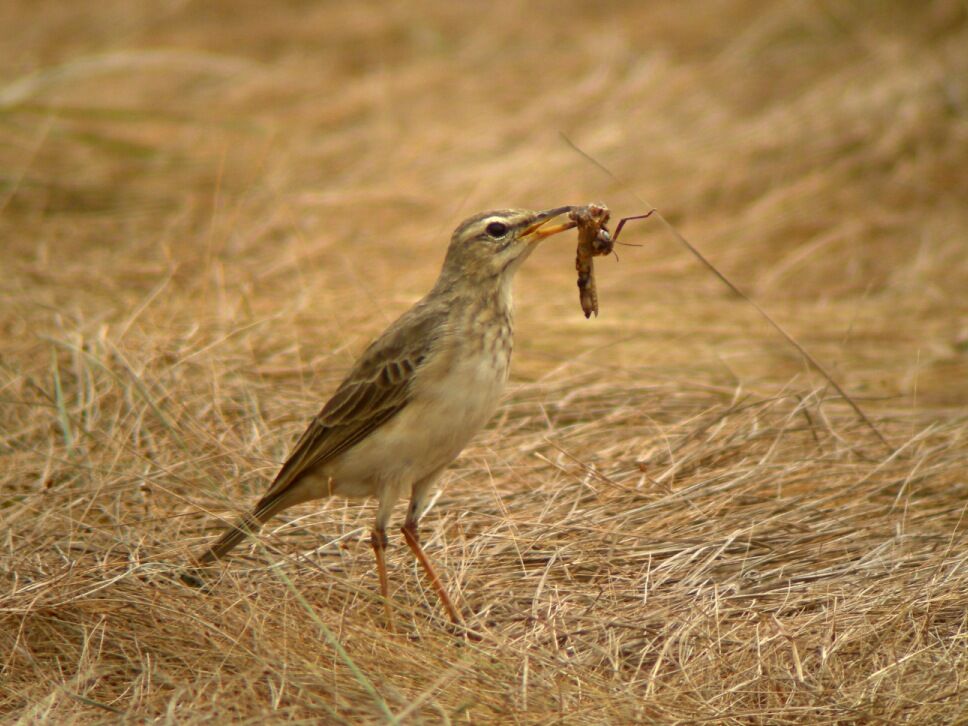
(594, 240)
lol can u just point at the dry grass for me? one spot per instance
(208, 209)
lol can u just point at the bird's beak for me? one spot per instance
(541, 227)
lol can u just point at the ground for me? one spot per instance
(208, 209)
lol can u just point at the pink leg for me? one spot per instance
(378, 538)
(413, 540)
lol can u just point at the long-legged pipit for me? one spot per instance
(418, 394)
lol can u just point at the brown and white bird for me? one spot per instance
(417, 395)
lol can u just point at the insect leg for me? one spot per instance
(623, 220)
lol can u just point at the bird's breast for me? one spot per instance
(460, 386)
(467, 375)
(452, 395)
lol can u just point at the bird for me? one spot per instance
(416, 396)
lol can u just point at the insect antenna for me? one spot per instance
(807, 356)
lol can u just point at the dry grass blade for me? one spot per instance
(746, 298)
(671, 519)
(334, 643)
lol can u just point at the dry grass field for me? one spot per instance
(207, 209)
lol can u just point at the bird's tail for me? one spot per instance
(245, 527)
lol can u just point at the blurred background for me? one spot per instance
(207, 209)
(307, 161)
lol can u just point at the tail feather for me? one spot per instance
(231, 539)
(245, 527)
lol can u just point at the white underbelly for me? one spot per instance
(443, 415)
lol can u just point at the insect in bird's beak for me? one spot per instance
(541, 227)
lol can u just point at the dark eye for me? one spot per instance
(496, 229)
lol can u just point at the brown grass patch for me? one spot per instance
(208, 209)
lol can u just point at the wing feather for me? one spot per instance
(376, 389)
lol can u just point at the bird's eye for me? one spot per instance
(496, 229)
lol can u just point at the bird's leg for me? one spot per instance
(378, 538)
(413, 540)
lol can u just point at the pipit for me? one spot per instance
(417, 395)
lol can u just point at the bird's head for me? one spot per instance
(494, 244)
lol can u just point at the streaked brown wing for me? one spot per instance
(375, 390)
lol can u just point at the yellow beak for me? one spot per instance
(541, 226)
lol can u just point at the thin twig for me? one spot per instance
(739, 293)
